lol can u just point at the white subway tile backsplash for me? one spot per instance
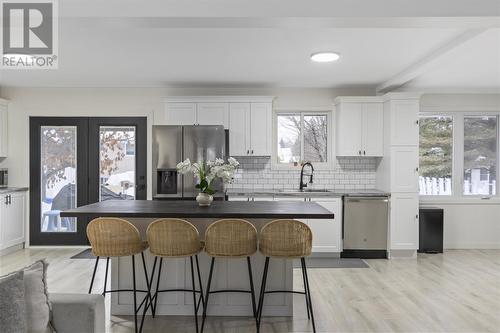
(347, 174)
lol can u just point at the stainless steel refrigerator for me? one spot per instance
(173, 144)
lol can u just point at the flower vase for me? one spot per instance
(204, 199)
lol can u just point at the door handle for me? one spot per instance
(10, 199)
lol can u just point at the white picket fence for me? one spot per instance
(442, 186)
(434, 186)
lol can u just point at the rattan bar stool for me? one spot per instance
(114, 237)
(286, 239)
(230, 238)
(175, 238)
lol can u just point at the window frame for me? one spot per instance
(458, 155)
(453, 151)
(328, 165)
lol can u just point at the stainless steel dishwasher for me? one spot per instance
(365, 226)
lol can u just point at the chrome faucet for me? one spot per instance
(302, 184)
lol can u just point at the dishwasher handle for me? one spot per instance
(360, 199)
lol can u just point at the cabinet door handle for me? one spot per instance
(364, 152)
(6, 199)
(416, 122)
(252, 151)
(248, 152)
(360, 152)
(416, 216)
(10, 199)
(416, 169)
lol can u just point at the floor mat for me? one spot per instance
(332, 263)
(85, 254)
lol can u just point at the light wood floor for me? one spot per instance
(458, 291)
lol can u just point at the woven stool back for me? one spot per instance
(286, 239)
(231, 238)
(114, 237)
(173, 238)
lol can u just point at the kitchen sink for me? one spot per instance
(306, 191)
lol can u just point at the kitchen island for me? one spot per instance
(229, 273)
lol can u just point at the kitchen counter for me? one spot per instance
(12, 189)
(190, 209)
(253, 193)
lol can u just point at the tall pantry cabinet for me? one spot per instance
(398, 171)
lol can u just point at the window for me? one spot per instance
(480, 155)
(301, 136)
(436, 155)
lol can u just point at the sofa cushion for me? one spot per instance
(12, 303)
(36, 298)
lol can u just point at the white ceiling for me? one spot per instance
(152, 43)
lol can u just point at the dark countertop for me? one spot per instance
(12, 189)
(238, 192)
(190, 209)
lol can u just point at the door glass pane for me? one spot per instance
(288, 138)
(58, 177)
(435, 155)
(117, 163)
(480, 155)
(315, 138)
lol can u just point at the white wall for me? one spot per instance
(26, 102)
(469, 224)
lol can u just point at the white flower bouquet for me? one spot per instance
(207, 171)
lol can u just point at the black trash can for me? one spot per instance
(430, 230)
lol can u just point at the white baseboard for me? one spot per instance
(472, 246)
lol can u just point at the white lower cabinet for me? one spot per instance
(404, 221)
(327, 233)
(12, 219)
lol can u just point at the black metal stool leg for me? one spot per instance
(262, 292)
(207, 294)
(157, 287)
(106, 277)
(194, 294)
(93, 274)
(148, 296)
(202, 296)
(135, 294)
(305, 292)
(148, 285)
(252, 290)
(308, 292)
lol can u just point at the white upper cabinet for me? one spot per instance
(260, 129)
(213, 114)
(239, 135)
(180, 114)
(3, 128)
(404, 122)
(250, 129)
(349, 122)
(190, 113)
(360, 127)
(373, 129)
(248, 118)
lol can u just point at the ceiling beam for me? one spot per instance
(428, 62)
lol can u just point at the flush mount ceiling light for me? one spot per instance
(325, 56)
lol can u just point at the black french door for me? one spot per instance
(75, 161)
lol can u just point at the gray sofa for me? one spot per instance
(74, 313)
